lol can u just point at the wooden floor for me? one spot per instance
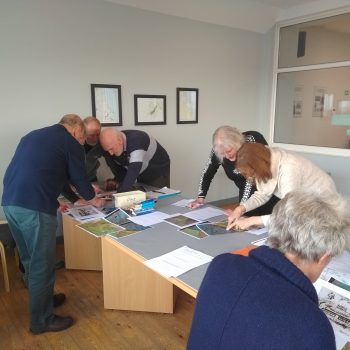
(95, 327)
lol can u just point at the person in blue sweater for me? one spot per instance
(133, 155)
(44, 161)
(267, 300)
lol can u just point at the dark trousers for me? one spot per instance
(35, 236)
(160, 181)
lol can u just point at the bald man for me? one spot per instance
(133, 155)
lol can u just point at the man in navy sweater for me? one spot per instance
(133, 155)
(267, 300)
(44, 161)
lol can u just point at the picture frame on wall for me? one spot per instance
(150, 109)
(107, 104)
(187, 105)
(298, 101)
(318, 101)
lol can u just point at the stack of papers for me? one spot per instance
(116, 224)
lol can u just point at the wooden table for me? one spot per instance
(130, 285)
(82, 250)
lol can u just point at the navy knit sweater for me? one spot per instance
(143, 159)
(44, 161)
(258, 302)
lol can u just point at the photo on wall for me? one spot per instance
(187, 106)
(107, 104)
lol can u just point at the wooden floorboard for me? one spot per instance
(95, 327)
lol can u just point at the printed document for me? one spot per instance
(335, 302)
(86, 212)
(177, 262)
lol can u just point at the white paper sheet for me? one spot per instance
(204, 213)
(258, 231)
(260, 242)
(178, 261)
(85, 212)
(337, 305)
(149, 219)
(183, 202)
(338, 268)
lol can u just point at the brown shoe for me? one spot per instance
(57, 324)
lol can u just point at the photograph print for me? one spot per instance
(181, 221)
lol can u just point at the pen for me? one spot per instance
(158, 191)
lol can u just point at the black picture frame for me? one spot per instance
(107, 104)
(150, 109)
(187, 105)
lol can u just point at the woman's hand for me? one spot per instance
(196, 203)
(243, 224)
(234, 216)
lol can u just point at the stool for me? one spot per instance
(4, 267)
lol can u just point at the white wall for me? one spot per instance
(52, 50)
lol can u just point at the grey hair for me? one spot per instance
(226, 137)
(74, 121)
(310, 225)
(91, 119)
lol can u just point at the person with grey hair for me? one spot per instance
(133, 155)
(267, 299)
(44, 161)
(226, 141)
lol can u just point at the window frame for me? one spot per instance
(276, 70)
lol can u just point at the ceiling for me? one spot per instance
(252, 15)
(284, 4)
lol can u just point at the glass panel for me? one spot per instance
(313, 108)
(324, 40)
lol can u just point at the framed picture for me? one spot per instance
(298, 101)
(107, 104)
(150, 109)
(318, 101)
(186, 106)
